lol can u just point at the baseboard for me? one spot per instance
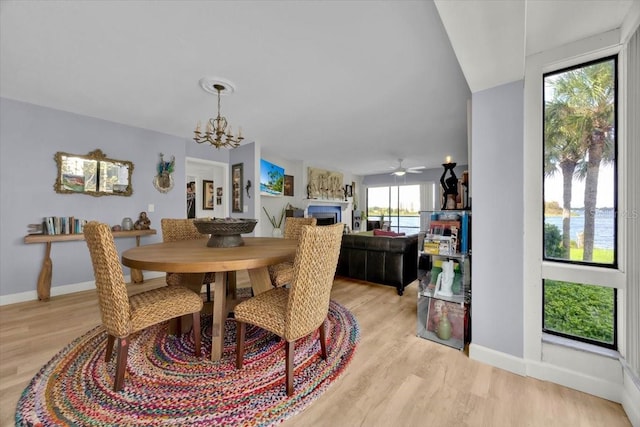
(64, 289)
(626, 393)
(498, 359)
(631, 396)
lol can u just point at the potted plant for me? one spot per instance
(277, 230)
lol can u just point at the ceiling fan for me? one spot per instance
(401, 171)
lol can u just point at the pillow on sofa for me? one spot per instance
(378, 232)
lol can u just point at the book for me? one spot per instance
(450, 228)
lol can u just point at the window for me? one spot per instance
(398, 205)
(580, 203)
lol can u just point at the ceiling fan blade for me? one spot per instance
(413, 171)
(418, 167)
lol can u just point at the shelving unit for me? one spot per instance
(447, 239)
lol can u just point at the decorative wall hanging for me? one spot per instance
(236, 188)
(248, 187)
(324, 184)
(163, 181)
(207, 195)
(288, 185)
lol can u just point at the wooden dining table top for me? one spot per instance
(194, 256)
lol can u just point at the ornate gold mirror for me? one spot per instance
(93, 174)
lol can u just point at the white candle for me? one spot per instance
(448, 159)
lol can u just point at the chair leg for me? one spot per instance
(110, 340)
(179, 325)
(196, 332)
(323, 341)
(121, 363)
(240, 329)
(208, 292)
(289, 348)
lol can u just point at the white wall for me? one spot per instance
(497, 223)
(198, 170)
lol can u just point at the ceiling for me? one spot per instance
(351, 85)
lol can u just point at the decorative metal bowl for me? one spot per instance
(225, 232)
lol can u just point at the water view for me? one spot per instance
(603, 230)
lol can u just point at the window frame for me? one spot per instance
(390, 207)
(616, 98)
(587, 272)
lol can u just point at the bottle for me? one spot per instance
(444, 326)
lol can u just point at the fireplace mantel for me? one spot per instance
(324, 202)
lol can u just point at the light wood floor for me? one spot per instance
(395, 378)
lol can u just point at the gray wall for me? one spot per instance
(29, 137)
(497, 231)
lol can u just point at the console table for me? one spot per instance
(44, 278)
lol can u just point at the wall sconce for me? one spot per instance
(247, 187)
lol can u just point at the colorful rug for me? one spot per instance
(165, 384)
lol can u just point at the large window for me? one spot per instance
(580, 203)
(398, 206)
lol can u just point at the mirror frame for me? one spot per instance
(99, 156)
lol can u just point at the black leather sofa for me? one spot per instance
(391, 261)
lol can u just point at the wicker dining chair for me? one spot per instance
(176, 229)
(122, 315)
(295, 312)
(282, 274)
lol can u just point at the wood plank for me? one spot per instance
(395, 378)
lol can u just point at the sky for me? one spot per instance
(553, 189)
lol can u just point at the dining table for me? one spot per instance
(195, 258)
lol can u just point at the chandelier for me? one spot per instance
(216, 132)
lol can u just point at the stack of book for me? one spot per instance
(448, 234)
(58, 225)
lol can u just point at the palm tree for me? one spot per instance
(562, 152)
(588, 94)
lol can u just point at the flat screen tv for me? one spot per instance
(271, 179)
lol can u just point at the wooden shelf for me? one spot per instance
(45, 238)
(44, 278)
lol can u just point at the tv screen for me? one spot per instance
(271, 179)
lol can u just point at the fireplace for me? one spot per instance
(325, 214)
(325, 218)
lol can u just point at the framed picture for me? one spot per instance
(207, 195)
(218, 195)
(348, 190)
(457, 318)
(191, 199)
(236, 188)
(288, 185)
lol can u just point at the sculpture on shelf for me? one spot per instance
(143, 222)
(444, 283)
(449, 186)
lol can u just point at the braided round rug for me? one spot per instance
(165, 384)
